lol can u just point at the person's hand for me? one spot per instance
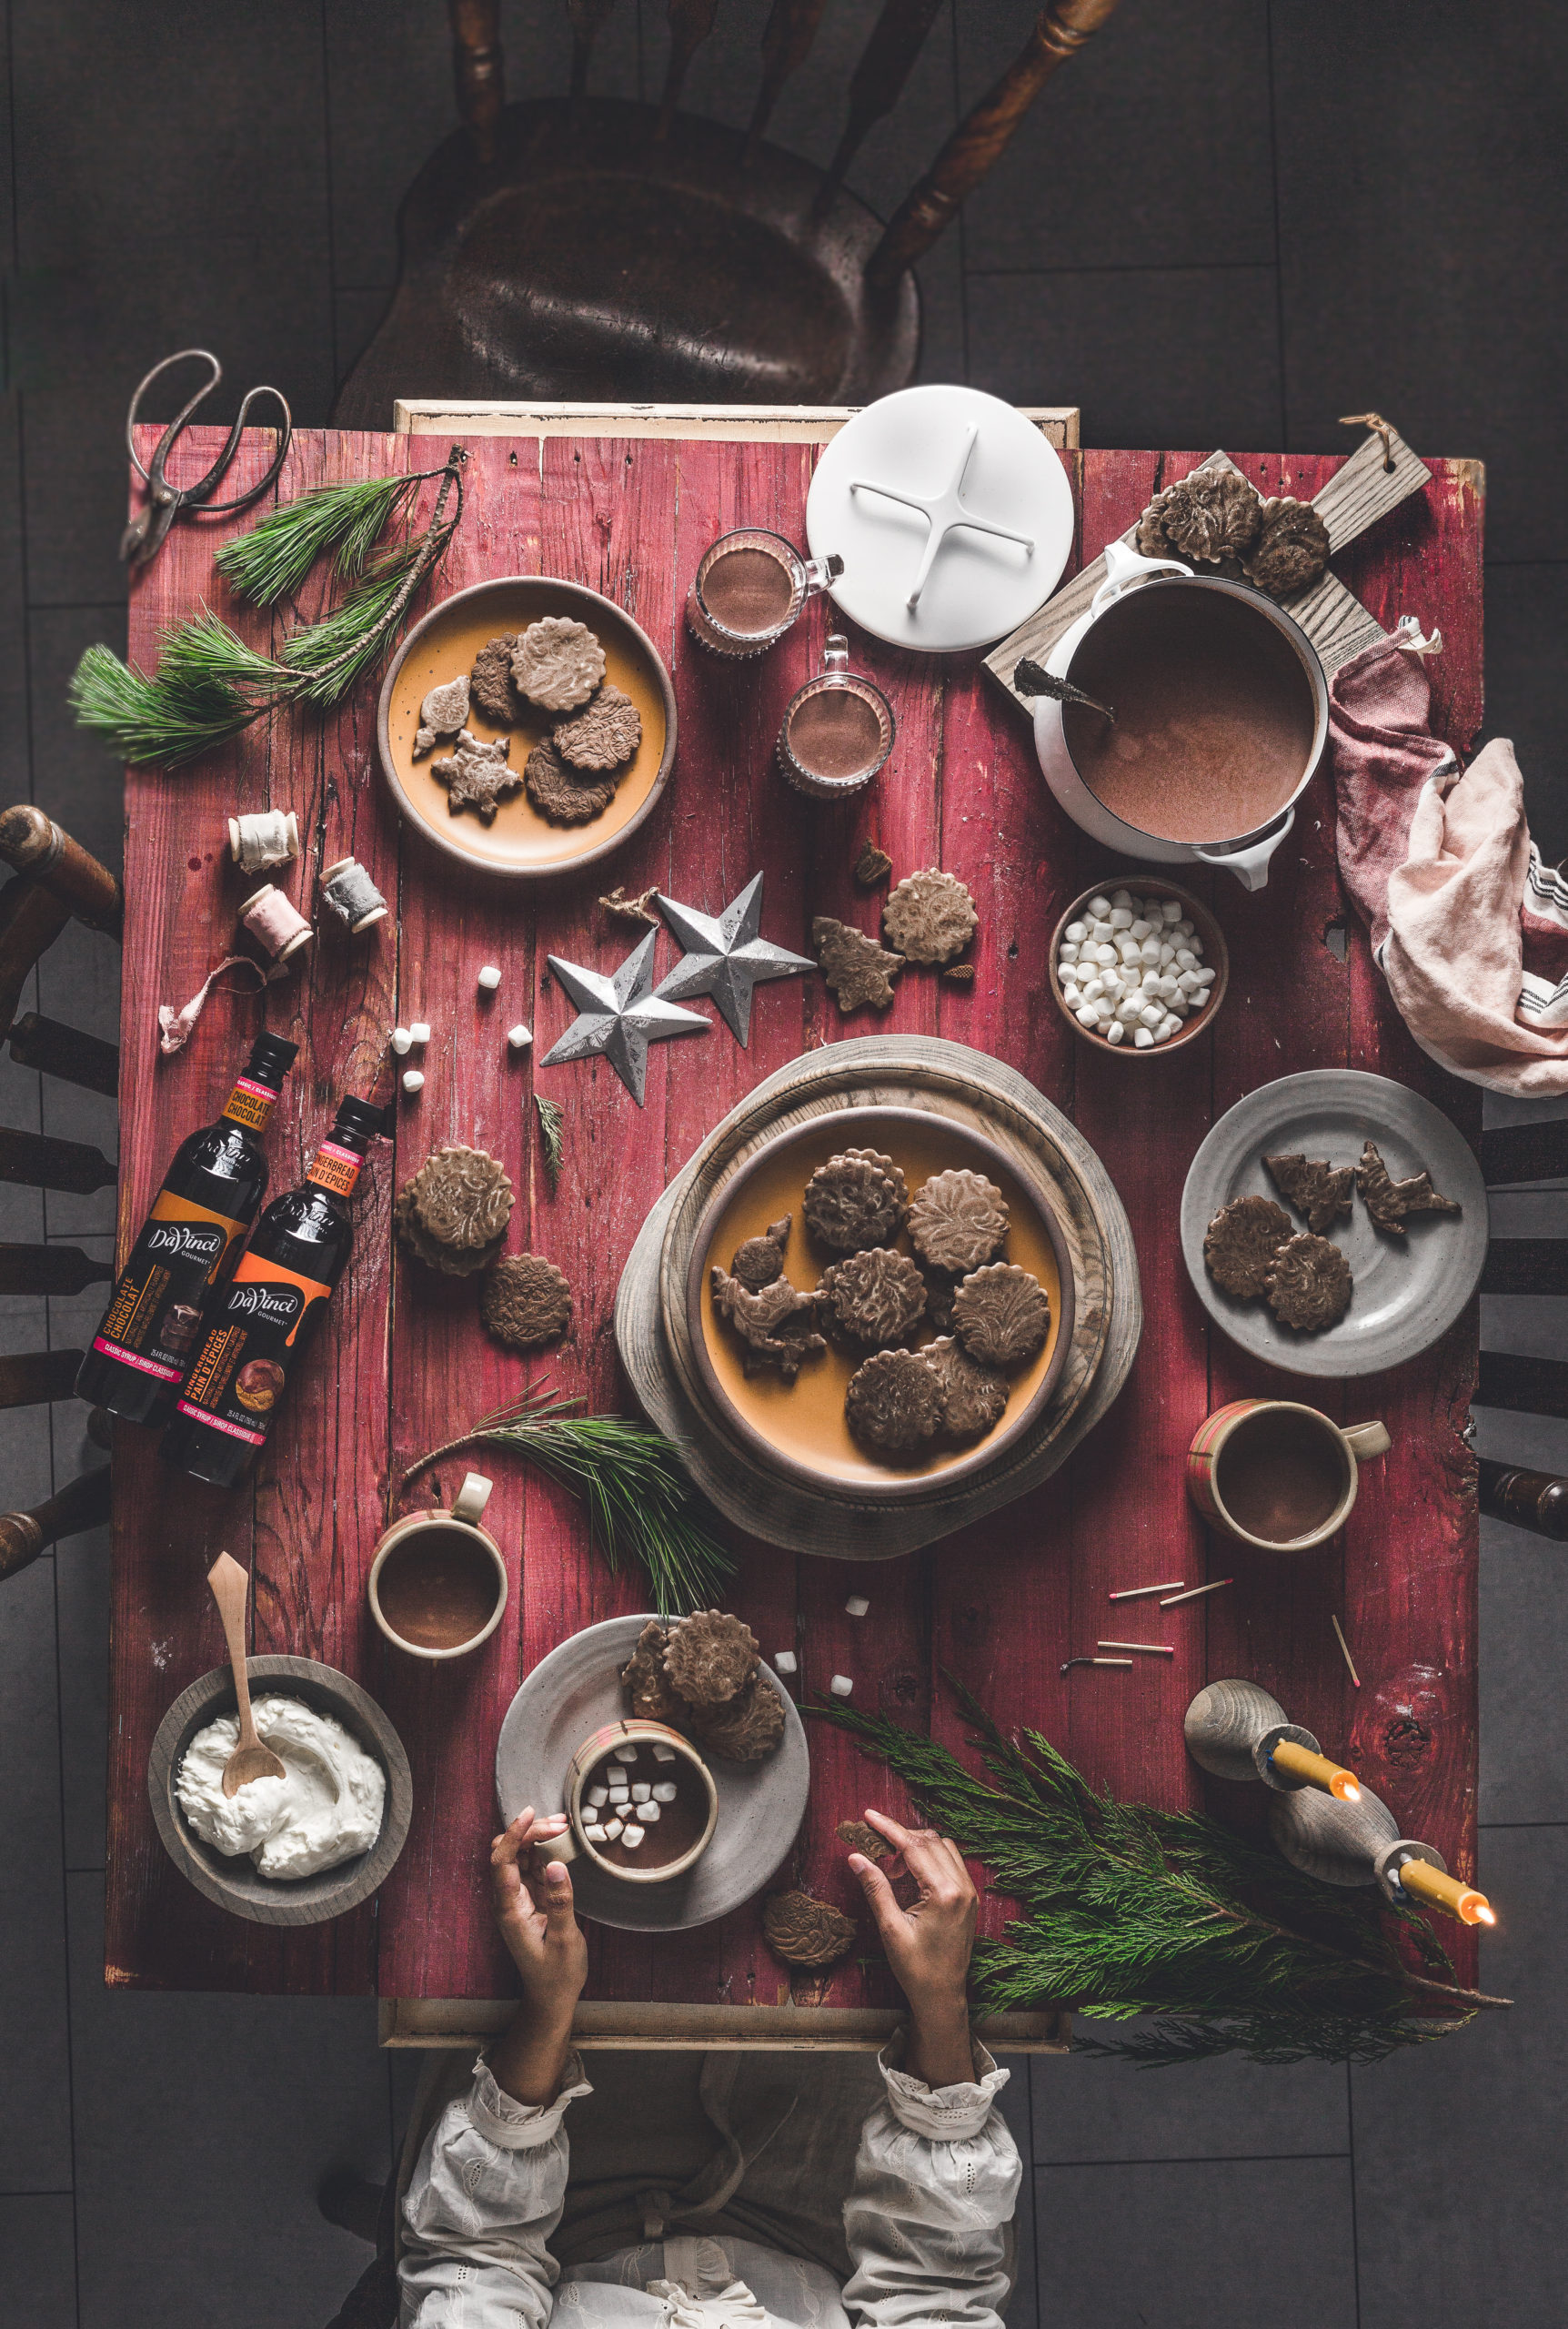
(533, 1911)
(928, 1945)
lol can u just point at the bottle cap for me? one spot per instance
(359, 1122)
(271, 1058)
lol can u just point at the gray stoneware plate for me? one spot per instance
(574, 1691)
(1408, 1291)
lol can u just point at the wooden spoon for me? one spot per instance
(250, 1760)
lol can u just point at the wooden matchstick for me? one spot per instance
(1197, 1592)
(1344, 1645)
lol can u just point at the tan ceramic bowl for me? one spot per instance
(1216, 956)
(800, 1430)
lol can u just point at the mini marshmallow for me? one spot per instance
(1150, 952)
(1167, 1028)
(1116, 1033)
(631, 1835)
(661, 1753)
(611, 1831)
(664, 1792)
(650, 1812)
(419, 1031)
(595, 1833)
(1171, 909)
(1076, 932)
(520, 1036)
(1185, 927)
(1143, 1039)
(1121, 918)
(641, 1790)
(1106, 954)
(627, 1754)
(412, 1080)
(1206, 977)
(1167, 954)
(1141, 929)
(489, 978)
(619, 1797)
(857, 1605)
(1120, 898)
(1185, 959)
(402, 1041)
(785, 1661)
(1068, 951)
(597, 1797)
(1086, 1014)
(1100, 907)
(841, 1686)
(1092, 989)
(1150, 1015)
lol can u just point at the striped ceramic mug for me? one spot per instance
(1278, 1475)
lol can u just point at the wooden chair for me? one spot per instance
(1510, 1156)
(592, 249)
(55, 880)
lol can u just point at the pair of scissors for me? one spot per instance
(144, 536)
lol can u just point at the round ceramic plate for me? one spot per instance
(232, 1880)
(981, 587)
(574, 1691)
(521, 843)
(1408, 1290)
(800, 1427)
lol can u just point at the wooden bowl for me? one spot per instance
(233, 1881)
(521, 845)
(1216, 956)
(799, 1431)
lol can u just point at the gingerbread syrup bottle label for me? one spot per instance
(243, 1365)
(185, 1248)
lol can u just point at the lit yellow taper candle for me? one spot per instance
(1316, 1770)
(1424, 1882)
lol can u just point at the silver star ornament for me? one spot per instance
(725, 957)
(620, 1016)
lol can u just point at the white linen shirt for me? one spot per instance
(935, 2181)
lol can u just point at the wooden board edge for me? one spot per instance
(472, 2021)
(760, 423)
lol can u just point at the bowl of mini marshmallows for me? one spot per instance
(1140, 971)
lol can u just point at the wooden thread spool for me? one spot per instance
(1360, 1843)
(1238, 1731)
(352, 895)
(276, 923)
(270, 837)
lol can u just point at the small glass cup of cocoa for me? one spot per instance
(748, 589)
(837, 730)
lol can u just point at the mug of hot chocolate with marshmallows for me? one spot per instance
(641, 1803)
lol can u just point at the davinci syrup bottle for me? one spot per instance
(188, 1244)
(255, 1330)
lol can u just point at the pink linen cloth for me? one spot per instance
(1469, 927)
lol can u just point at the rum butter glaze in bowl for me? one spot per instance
(800, 1429)
(520, 844)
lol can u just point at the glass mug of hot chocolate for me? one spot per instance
(641, 1802)
(838, 729)
(748, 589)
(437, 1583)
(1279, 1475)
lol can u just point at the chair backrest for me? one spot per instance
(1512, 1155)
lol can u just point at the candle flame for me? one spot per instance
(1343, 1785)
(1477, 1912)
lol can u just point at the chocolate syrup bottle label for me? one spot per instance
(254, 1335)
(155, 1313)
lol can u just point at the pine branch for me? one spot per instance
(1131, 1910)
(209, 686)
(640, 1505)
(272, 561)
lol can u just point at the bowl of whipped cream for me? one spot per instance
(296, 1850)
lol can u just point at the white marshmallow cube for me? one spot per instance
(489, 978)
(785, 1661)
(625, 1754)
(1098, 907)
(1068, 951)
(1143, 1039)
(1115, 1033)
(1086, 1014)
(1121, 917)
(1167, 1028)
(1185, 959)
(661, 1753)
(1150, 951)
(1171, 909)
(419, 1031)
(857, 1605)
(594, 1833)
(1142, 928)
(597, 1797)
(520, 1036)
(631, 1835)
(412, 1080)
(1120, 898)
(402, 1041)
(611, 1831)
(650, 1812)
(1076, 933)
(1151, 1014)
(841, 1686)
(640, 1790)
(664, 1792)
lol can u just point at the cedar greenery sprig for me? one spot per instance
(1131, 1910)
(209, 685)
(640, 1505)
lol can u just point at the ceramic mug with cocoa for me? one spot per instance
(437, 1584)
(641, 1803)
(1278, 1475)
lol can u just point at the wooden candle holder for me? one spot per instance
(1345, 1843)
(1232, 1730)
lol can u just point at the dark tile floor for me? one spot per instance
(1227, 223)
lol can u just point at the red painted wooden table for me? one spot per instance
(402, 1361)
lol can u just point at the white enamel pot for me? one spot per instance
(1246, 855)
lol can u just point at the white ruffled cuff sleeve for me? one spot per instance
(512, 2125)
(944, 2113)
